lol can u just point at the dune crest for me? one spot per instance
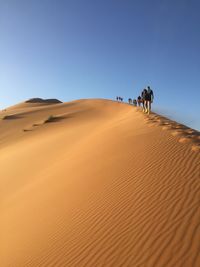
(97, 183)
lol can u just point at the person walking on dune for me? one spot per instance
(139, 100)
(144, 100)
(149, 99)
(135, 102)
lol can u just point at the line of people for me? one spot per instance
(119, 99)
(134, 101)
(130, 101)
(146, 99)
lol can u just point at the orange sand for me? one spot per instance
(101, 184)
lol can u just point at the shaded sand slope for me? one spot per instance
(33, 102)
(101, 184)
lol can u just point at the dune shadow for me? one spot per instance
(27, 130)
(53, 119)
(12, 117)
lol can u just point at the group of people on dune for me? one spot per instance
(146, 99)
(119, 98)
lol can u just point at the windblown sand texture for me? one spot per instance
(97, 183)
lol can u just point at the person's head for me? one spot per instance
(148, 87)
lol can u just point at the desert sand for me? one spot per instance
(97, 183)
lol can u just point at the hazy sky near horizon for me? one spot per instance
(76, 49)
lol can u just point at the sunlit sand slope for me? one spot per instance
(97, 183)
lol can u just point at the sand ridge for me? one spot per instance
(95, 186)
(185, 133)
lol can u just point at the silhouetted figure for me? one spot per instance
(130, 101)
(135, 102)
(139, 100)
(144, 100)
(149, 99)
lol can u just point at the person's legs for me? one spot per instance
(143, 105)
(148, 106)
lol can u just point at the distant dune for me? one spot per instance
(34, 102)
(97, 183)
(40, 100)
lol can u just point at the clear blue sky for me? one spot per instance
(72, 49)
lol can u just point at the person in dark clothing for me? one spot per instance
(149, 99)
(135, 102)
(130, 101)
(139, 100)
(144, 100)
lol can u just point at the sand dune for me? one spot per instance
(97, 183)
(33, 102)
(40, 100)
